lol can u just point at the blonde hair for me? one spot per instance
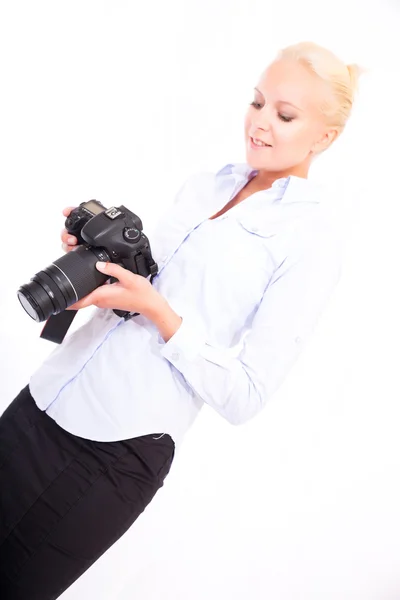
(341, 79)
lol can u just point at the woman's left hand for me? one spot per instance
(133, 293)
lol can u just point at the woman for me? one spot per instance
(248, 258)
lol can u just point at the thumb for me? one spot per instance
(113, 270)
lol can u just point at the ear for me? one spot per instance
(326, 139)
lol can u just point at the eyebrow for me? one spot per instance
(281, 101)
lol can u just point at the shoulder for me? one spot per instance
(316, 207)
(211, 176)
(314, 238)
(200, 183)
(194, 183)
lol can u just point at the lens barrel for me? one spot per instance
(64, 282)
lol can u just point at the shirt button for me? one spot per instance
(175, 356)
(298, 340)
(255, 229)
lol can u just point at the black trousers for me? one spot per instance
(65, 500)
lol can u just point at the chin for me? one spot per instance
(258, 163)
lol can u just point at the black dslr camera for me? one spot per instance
(108, 235)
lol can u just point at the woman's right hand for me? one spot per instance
(69, 242)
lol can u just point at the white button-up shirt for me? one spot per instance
(249, 286)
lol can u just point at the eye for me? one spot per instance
(285, 118)
(282, 117)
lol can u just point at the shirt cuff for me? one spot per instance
(186, 341)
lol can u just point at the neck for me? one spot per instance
(266, 178)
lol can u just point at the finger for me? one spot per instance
(68, 239)
(66, 211)
(113, 270)
(83, 302)
(73, 307)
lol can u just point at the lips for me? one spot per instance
(253, 145)
(258, 140)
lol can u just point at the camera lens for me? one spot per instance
(64, 282)
(29, 303)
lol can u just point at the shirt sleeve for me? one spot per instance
(239, 387)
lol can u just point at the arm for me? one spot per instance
(239, 387)
(164, 318)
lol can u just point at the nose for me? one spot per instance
(262, 119)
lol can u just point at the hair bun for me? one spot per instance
(340, 78)
(355, 71)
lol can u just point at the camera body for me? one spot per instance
(109, 235)
(116, 233)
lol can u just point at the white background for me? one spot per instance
(121, 101)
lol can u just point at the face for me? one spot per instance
(285, 114)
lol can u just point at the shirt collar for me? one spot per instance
(294, 188)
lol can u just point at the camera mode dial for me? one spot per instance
(131, 234)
